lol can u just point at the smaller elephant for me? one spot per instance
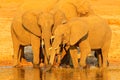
(69, 34)
(89, 33)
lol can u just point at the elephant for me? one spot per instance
(95, 35)
(30, 20)
(77, 7)
(30, 33)
(21, 36)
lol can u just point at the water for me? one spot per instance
(29, 73)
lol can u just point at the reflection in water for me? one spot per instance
(19, 74)
(103, 75)
(27, 74)
(58, 74)
(37, 74)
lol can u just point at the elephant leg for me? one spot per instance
(16, 47)
(60, 56)
(45, 56)
(85, 50)
(98, 55)
(63, 53)
(47, 46)
(16, 55)
(35, 42)
(57, 60)
(104, 55)
(73, 53)
(52, 58)
(21, 53)
(105, 51)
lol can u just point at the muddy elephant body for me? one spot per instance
(95, 35)
(21, 38)
(30, 33)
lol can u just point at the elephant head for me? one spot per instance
(69, 34)
(83, 7)
(48, 23)
(59, 18)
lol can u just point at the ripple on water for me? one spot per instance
(29, 73)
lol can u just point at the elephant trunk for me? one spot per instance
(55, 48)
(47, 46)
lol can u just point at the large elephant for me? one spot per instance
(30, 33)
(44, 23)
(21, 37)
(95, 35)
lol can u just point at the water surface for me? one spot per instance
(29, 73)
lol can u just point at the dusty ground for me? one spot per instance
(108, 9)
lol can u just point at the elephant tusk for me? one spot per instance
(50, 48)
(55, 48)
(43, 43)
(64, 21)
(52, 37)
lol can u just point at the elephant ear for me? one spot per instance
(78, 31)
(29, 21)
(59, 18)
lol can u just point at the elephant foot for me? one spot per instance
(35, 65)
(18, 66)
(65, 66)
(57, 65)
(85, 67)
(42, 65)
(46, 68)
